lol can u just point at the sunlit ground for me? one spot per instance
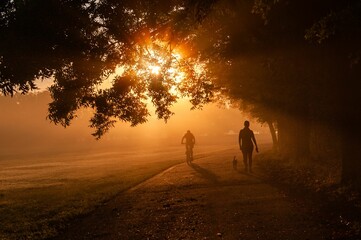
(39, 194)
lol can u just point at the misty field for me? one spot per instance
(39, 193)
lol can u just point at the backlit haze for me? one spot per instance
(24, 128)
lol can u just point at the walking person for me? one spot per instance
(246, 140)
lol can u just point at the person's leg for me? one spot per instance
(250, 161)
(244, 153)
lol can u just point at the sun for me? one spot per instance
(159, 60)
(154, 69)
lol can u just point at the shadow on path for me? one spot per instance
(205, 173)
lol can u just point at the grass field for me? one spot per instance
(40, 193)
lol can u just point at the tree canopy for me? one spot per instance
(83, 43)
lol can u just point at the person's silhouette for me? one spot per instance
(246, 136)
(189, 141)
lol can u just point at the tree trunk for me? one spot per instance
(286, 137)
(349, 115)
(294, 137)
(274, 135)
(302, 139)
(351, 161)
(350, 126)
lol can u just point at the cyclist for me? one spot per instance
(189, 142)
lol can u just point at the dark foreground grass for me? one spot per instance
(317, 184)
(39, 197)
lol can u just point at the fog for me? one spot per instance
(25, 129)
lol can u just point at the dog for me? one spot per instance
(234, 163)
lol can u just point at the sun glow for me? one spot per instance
(154, 69)
(159, 60)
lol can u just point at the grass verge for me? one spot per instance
(39, 197)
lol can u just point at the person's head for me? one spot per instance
(246, 124)
(188, 131)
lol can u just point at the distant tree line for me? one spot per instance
(294, 65)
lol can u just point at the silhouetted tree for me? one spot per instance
(340, 32)
(81, 43)
(276, 63)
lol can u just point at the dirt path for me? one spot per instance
(205, 200)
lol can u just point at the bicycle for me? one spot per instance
(189, 153)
